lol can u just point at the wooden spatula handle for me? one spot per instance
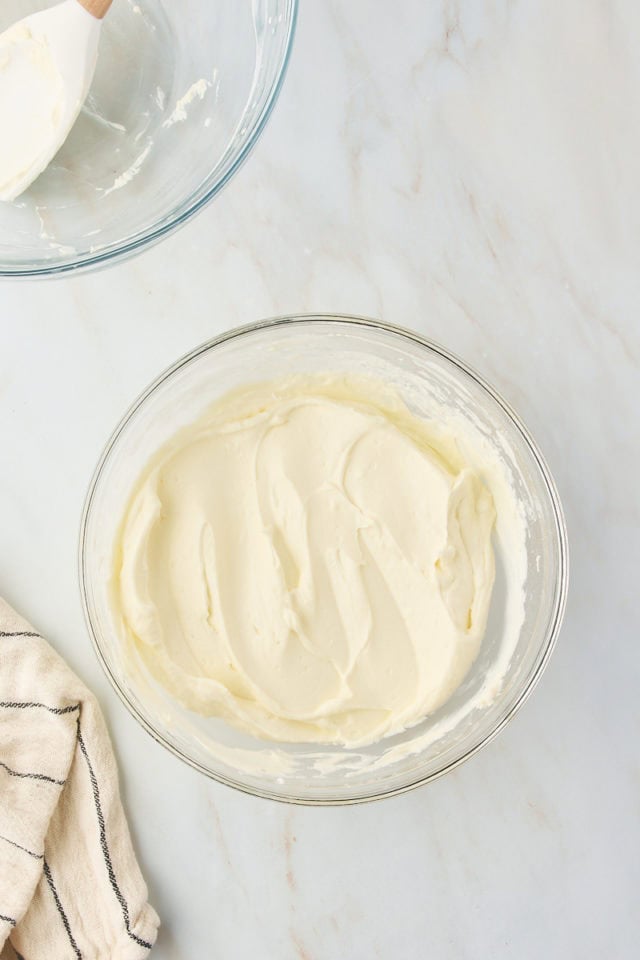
(97, 8)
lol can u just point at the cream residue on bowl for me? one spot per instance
(309, 561)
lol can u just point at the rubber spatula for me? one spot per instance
(62, 40)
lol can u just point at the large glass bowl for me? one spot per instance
(181, 92)
(425, 374)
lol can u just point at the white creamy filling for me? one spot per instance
(31, 107)
(308, 564)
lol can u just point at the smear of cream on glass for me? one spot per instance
(179, 114)
(131, 171)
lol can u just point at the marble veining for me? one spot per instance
(468, 169)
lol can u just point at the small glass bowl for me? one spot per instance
(180, 95)
(425, 375)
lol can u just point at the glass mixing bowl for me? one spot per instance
(428, 378)
(181, 92)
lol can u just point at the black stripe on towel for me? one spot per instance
(18, 633)
(63, 916)
(8, 920)
(25, 704)
(105, 847)
(32, 776)
(36, 856)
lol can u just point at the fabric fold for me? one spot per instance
(70, 884)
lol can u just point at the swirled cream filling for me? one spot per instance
(309, 562)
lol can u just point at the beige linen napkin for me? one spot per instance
(70, 886)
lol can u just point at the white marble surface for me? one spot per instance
(469, 169)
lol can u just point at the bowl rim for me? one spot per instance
(152, 235)
(561, 586)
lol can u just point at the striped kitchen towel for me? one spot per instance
(70, 886)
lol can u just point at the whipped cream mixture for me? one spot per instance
(30, 105)
(47, 61)
(309, 563)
